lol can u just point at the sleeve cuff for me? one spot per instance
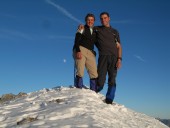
(80, 31)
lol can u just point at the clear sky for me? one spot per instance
(36, 39)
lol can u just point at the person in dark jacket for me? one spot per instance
(84, 54)
(110, 55)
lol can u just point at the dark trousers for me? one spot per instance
(107, 64)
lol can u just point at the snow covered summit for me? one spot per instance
(70, 108)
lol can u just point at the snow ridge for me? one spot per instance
(65, 107)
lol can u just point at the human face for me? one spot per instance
(90, 21)
(105, 20)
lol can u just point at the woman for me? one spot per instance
(84, 54)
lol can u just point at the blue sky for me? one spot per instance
(36, 39)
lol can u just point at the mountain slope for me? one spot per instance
(70, 108)
(165, 121)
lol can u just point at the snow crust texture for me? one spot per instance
(65, 107)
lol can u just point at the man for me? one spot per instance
(110, 56)
(84, 55)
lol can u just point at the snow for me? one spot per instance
(64, 107)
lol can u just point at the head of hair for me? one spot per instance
(104, 13)
(89, 15)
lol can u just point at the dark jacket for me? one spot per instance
(85, 39)
(106, 40)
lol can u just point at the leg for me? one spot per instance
(80, 64)
(93, 84)
(91, 67)
(102, 71)
(112, 72)
(110, 94)
(78, 82)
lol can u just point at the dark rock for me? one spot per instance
(26, 120)
(21, 94)
(7, 97)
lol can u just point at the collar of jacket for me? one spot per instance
(106, 27)
(88, 26)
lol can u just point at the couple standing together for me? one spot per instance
(107, 40)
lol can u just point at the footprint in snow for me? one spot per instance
(36, 106)
(2, 118)
(31, 98)
(26, 120)
(59, 101)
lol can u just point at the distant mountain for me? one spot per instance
(63, 107)
(165, 121)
